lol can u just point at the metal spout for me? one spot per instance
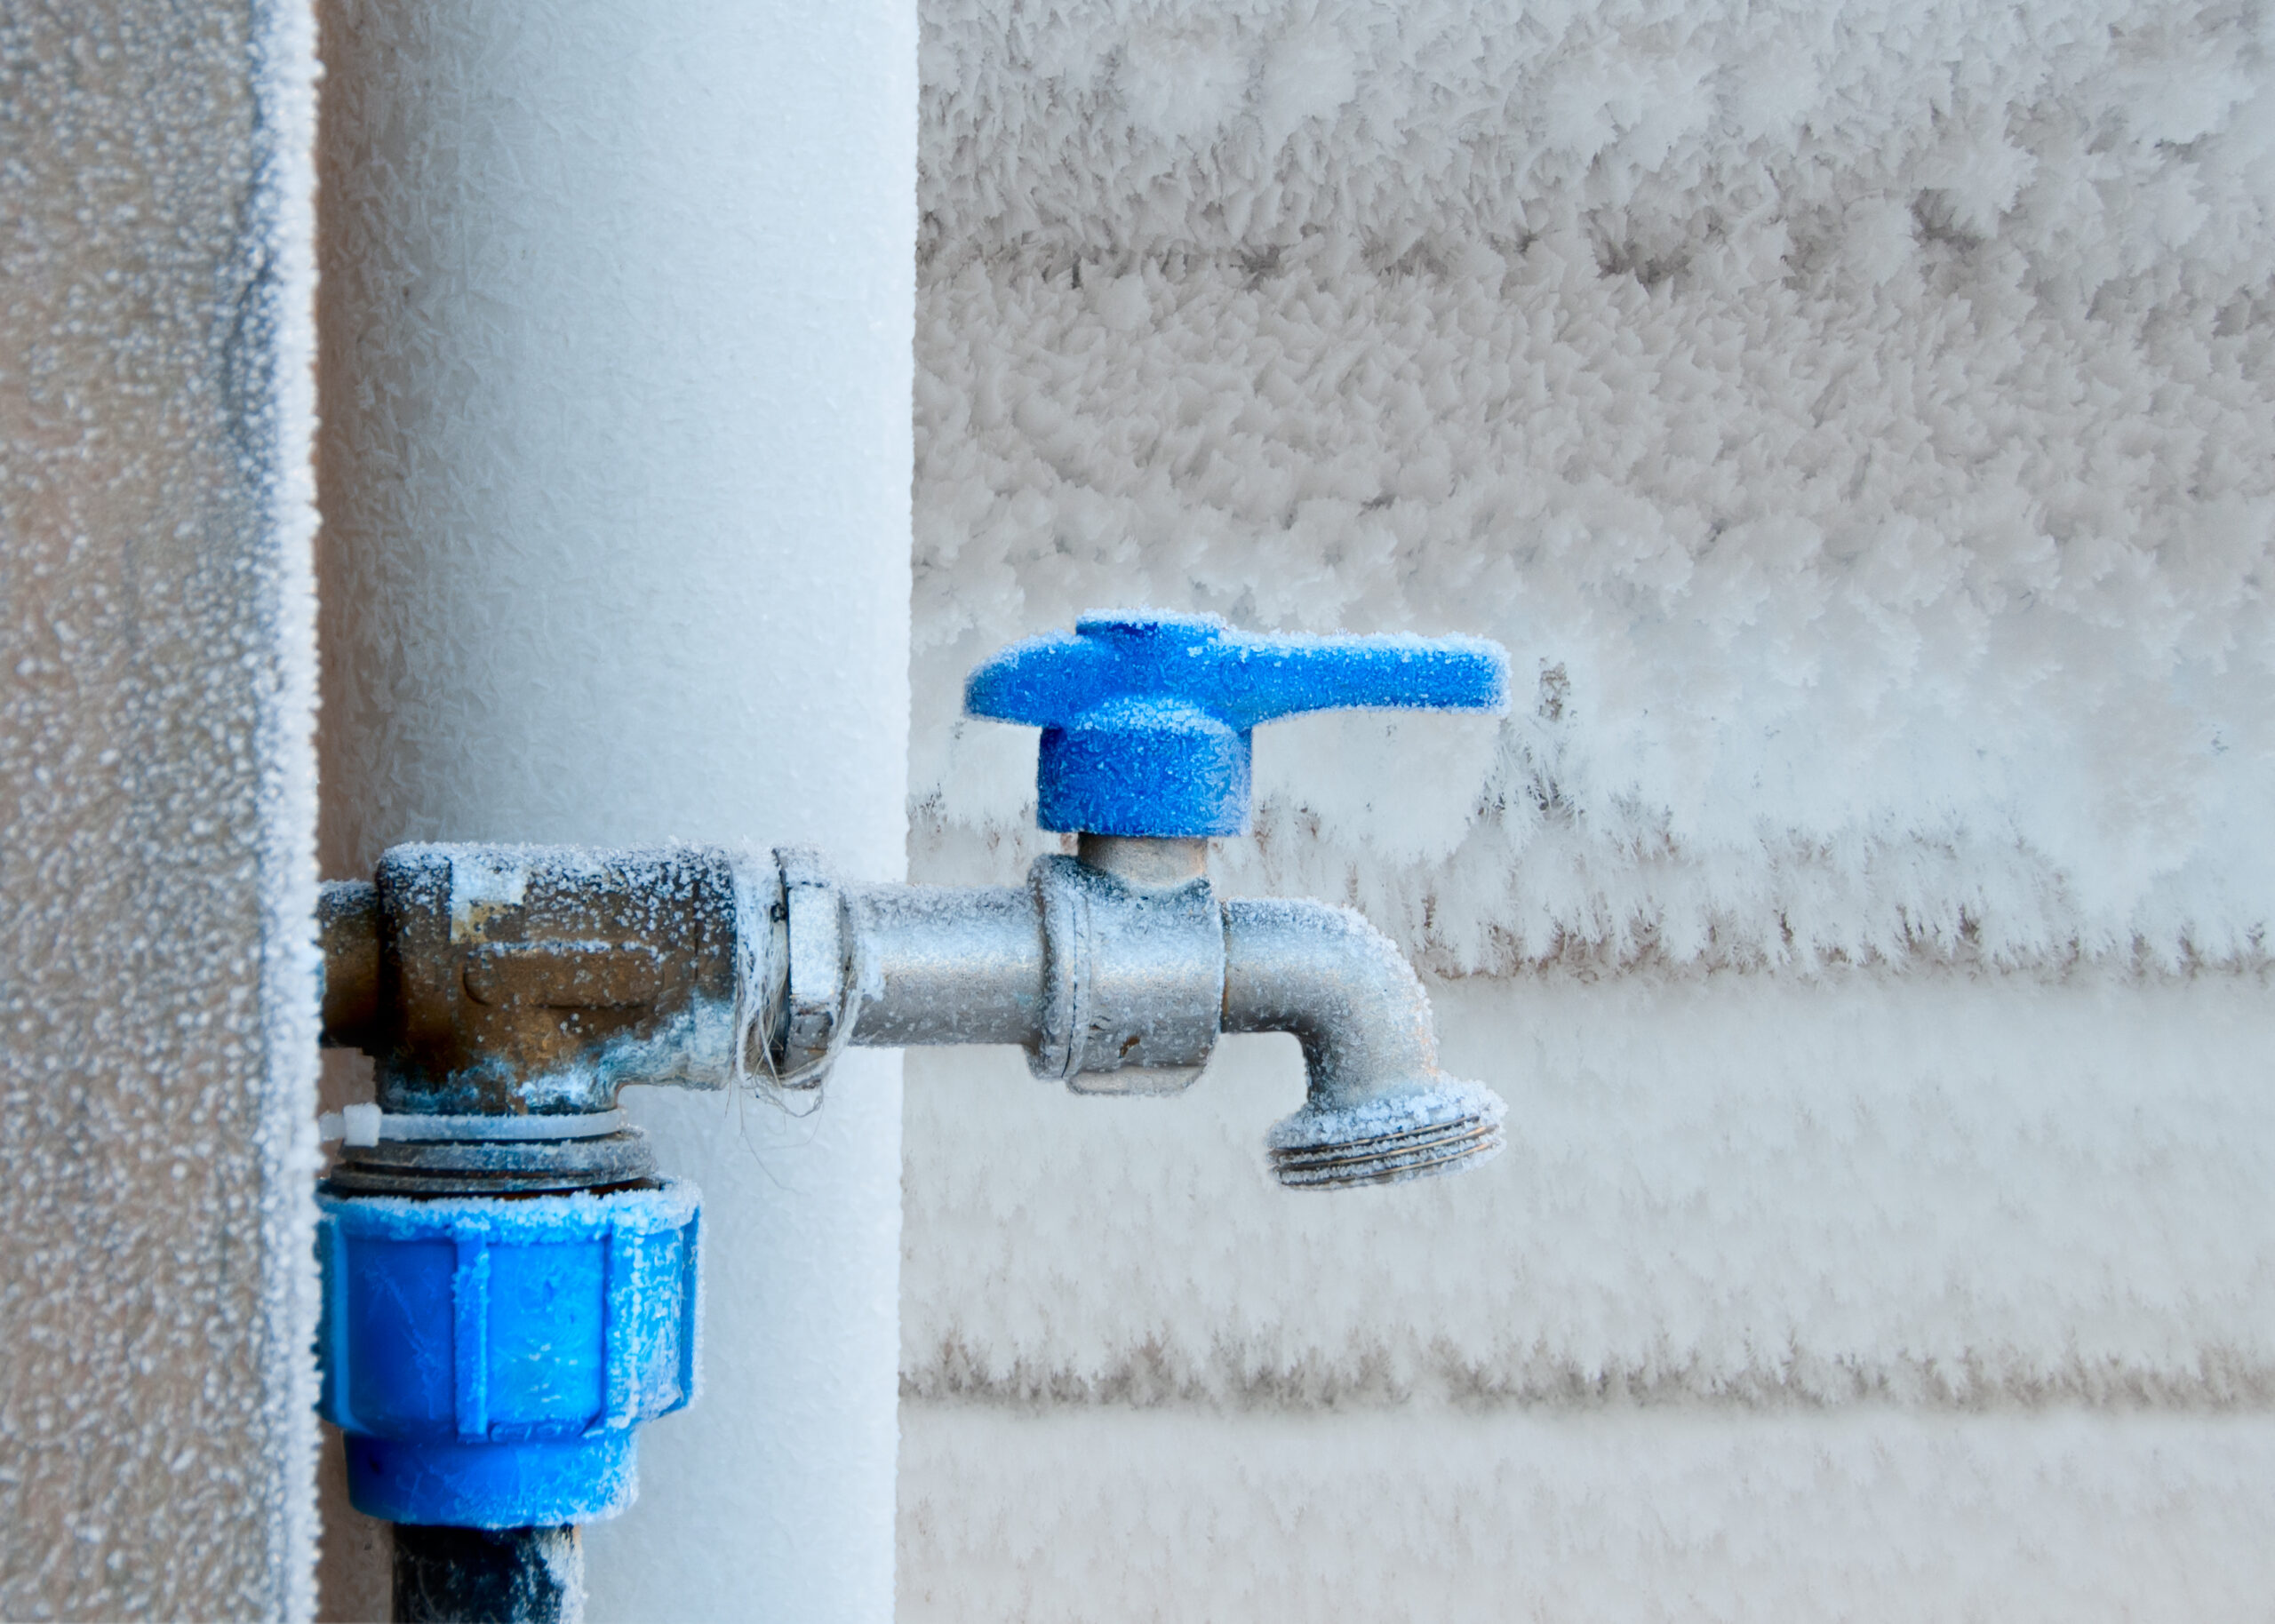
(1379, 1112)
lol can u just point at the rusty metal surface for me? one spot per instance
(347, 930)
(500, 980)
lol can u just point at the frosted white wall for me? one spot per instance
(1919, 1188)
(1431, 1514)
(157, 813)
(1858, 418)
(615, 380)
(1859, 421)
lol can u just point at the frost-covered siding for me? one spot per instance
(1857, 421)
(157, 974)
(1922, 1188)
(1438, 1515)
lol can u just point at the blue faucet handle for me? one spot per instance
(1146, 718)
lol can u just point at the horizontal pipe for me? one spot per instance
(584, 972)
(943, 963)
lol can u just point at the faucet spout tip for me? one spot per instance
(1436, 1124)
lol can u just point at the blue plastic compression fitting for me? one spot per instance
(1146, 717)
(489, 1359)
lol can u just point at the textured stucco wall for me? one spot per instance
(157, 974)
(1855, 419)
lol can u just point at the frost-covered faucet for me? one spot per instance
(1145, 757)
(508, 993)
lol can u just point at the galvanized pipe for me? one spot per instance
(941, 964)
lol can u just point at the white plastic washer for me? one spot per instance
(366, 1125)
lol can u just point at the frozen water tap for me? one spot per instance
(510, 1287)
(1147, 722)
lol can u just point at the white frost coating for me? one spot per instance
(276, 353)
(158, 800)
(368, 1124)
(694, 1049)
(757, 883)
(483, 877)
(616, 363)
(1450, 1100)
(799, 1091)
(1857, 421)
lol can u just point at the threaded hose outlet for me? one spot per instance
(1440, 1126)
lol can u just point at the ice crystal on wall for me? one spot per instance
(1857, 422)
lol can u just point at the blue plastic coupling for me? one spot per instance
(490, 1359)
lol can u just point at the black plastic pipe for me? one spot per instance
(489, 1575)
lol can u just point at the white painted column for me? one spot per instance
(618, 320)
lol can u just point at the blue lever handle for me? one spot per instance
(1146, 718)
